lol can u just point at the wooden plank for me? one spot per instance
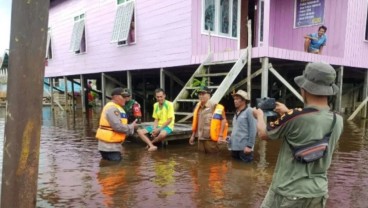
(283, 81)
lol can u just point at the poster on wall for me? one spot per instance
(308, 12)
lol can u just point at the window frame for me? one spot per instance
(217, 21)
(49, 51)
(128, 42)
(366, 28)
(81, 15)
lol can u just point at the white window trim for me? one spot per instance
(49, 33)
(135, 25)
(260, 43)
(79, 13)
(216, 32)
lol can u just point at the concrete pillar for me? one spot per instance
(51, 81)
(66, 93)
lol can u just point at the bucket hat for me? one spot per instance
(318, 79)
(242, 94)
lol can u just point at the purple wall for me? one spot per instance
(283, 34)
(163, 34)
(356, 49)
(200, 42)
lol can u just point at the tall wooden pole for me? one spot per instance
(25, 85)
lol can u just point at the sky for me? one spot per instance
(5, 11)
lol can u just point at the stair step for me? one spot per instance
(220, 62)
(183, 113)
(187, 100)
(211, 75)
(193, 88)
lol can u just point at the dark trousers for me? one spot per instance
(240, 155)
(112, 156)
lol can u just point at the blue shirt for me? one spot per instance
(244, 130)
(316, 44)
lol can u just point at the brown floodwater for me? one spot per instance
(71, 173)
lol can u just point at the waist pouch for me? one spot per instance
(314, 151)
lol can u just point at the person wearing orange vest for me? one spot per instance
(243, 135)
(113, 127)
(209, 123)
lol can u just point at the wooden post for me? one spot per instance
(103, 89)
(83, 93)
(340, 75)
(66, 93)
(52, 92)
(162, 79)
(25, 85)
(249, 66)
(73, 102)
(264, 82)
(365, 94)
(129, 80)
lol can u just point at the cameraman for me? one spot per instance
(297, 184)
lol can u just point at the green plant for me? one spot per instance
(198, 83)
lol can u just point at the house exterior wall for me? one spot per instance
(356, 48)
(284, 35)
(202, 43)
(163, 37)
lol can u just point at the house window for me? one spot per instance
(48, 45)
(124, 26)
(78, 39)
(220, 17)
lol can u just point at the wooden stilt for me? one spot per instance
(365, 94)
(66, 93)
(249, 66)
(264, 80)
(103, 86)
(340, 75)
(129, 81)
(83, 93)
(51, 81)
(73, 101)
(162, 78)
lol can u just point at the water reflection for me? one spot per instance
(71, 173)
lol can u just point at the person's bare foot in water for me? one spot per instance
(152, 148)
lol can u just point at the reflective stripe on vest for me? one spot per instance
(215, 122)
(105, 132)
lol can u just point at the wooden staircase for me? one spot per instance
(222, 81)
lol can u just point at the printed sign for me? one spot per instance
(309, 12)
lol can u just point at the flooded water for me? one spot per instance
(71, 173)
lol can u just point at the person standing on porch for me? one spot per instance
(309, 137)
(163, 113)
(209, 123)
(315, 42)
(243, 135)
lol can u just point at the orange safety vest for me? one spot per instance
(105, 132)
(215, 122)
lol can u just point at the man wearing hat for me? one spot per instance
(295, 183)
(132, 107)
(113, 127)
(204, 126)
(244, 131)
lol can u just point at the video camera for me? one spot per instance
(267, 105)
